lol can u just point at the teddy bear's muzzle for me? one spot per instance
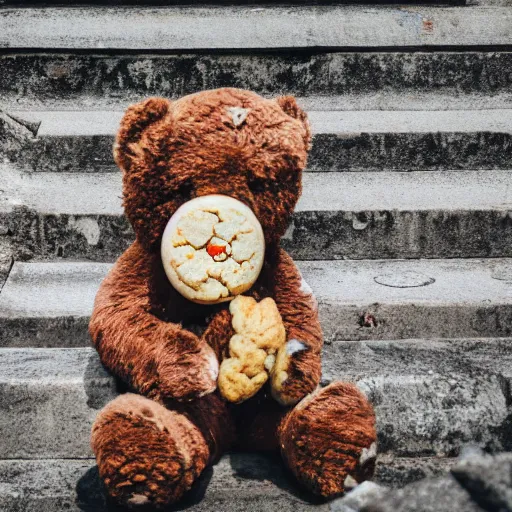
(213, 249)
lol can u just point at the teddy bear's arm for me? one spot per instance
(297, 371)
(156, 358)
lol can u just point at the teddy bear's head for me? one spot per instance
(225, 141)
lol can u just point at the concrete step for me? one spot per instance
(238, 482)
(370, 80)
(230, 27)
(49, 304)
(444, 393)
(438, 397)
(365, 215)
(152, 3)
(351, 140)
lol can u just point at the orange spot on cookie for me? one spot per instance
(215, 250)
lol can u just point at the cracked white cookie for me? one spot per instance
(259, 335)
(213, 249)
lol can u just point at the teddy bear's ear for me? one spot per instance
(290, 107)
(136, 119)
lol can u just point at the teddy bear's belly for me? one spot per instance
(213, 249)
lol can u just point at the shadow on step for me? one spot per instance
(236, 475)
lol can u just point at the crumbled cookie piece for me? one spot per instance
(259, 334)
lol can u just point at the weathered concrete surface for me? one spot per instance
(440, 214)
(422, 357)
(477, 482)
(100, 193)
(400, 471)
(48, 304)
(364, 494)
(230, 27)
(241, 3)
(346, 81)
(49, 398)
(14, 136)
(429, 495)
(237, 482)
(343, 139)
(469, 295)
(431, 396)
(369, 121)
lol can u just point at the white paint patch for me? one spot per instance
(88, 227)
(305, 288)
(213, 366)
(238, 114)
(288, 235)
(368, 454)
(294, 346)
(350, 482)
(138, 499)
(359, 225)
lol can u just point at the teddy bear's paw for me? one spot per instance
(259, 335)
(329, 439)
(146, 454)
(281, 371)
(186, 374)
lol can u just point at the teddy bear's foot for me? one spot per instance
(147, 454)
(329, 441)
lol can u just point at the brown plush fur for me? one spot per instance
(167, 348)
(323, 437)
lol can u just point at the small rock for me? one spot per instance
(430, 495)
(487, 478)
(362, 495)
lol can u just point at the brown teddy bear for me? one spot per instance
(210, 182)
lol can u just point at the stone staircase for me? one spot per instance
(404, 230)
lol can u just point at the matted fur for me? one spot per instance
(167, 348)
(147, 453)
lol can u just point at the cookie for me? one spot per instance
(213, 249)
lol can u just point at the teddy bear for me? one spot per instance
(205, 318)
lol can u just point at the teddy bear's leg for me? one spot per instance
(329, 441)
(146, 453)
(257, 421)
